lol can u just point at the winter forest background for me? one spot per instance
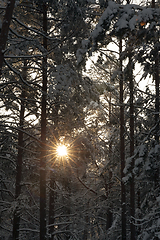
(82, 73)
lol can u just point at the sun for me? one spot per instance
(61, 151)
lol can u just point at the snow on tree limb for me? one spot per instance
(119, 20)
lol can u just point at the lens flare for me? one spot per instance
(61, 150)
(62, 153)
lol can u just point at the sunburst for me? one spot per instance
(62, 151)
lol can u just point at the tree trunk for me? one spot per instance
(52, 174)
(156, 76)
(86, 228)
(132, 184)
(4, 30)
(16, 217)
(43, 135)
(122, 150)
(156, 79)
(51, 205)
(109, 212)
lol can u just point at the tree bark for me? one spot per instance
(16, 217)
(86, 229)
(156, 76)
(156, 79)
(108, 186)
(51, 205)
(132, 184)
(52, 194)
(5, 29)
(122, 150)
(43, 135)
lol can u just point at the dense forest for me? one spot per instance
(82, 74)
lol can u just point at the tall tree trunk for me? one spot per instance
(68, 205)
(16, 217)
(4, 30)
(43, 135)
(122, 150)
(86, 228)
(132, 184)
(51, 205)
(156, 78)
(108, 186)
(52, 194)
